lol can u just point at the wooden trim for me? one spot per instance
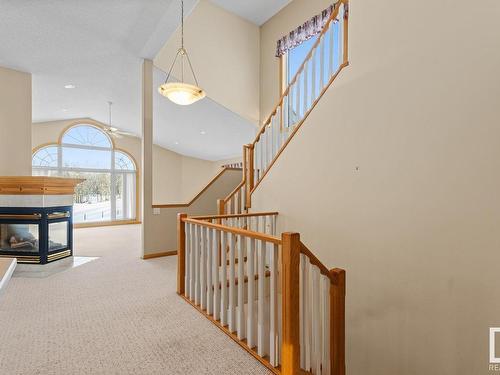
(308, 56)
(234, 215)
(21, 217)
(159, 255)
(38, 185)
(290, 294)
(220, 206)
(299, 124)
(237, 231)
(242, 343)
(106, 224)
(181, 253)
(43, 145)
(337, 322)
(178, 205)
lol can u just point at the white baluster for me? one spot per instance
(256, 160)
(308, 315)
(297, 88)
(240, 321)
(302, 309)
(203, 269)
(340, 34)
(316, 320)
(251, 293)
(223, 284)
(306, 88)
(313, 73)
(210, 291)
(232, 291)
(281, 124)
(331, 33)
(322, 62)
(325, 324)
(192, 260)
(262, 155)
(197, 281)
(261, 324)
(215, 263)
(273, 308)
(187, 251)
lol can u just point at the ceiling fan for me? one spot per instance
(111, 130)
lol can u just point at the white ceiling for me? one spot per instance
(179, 128)
(98, 45)
(256, 11)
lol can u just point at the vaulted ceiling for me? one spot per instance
(98, 46)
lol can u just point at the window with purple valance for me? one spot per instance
(304, 32)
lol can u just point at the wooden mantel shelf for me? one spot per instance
(37, 185)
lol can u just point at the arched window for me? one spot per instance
(85, 151)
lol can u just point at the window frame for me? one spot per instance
(113, 171)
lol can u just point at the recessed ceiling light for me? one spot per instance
(64, 110)
(176, 142)
(203, 132)
(69, 86)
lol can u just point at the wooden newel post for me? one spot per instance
(290, 349)
(220, 207)
(337, 322)
(181, 253)
(250, 179)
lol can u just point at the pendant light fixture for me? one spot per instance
(180, 92)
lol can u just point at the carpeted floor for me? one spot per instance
(114, 315)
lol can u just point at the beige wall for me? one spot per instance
(162, 234)
(15, 123)
(416, 227)
(224, 50)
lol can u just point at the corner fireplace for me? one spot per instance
(36, 235)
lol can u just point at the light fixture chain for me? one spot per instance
(182, 24)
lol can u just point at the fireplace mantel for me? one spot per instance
(37, 185)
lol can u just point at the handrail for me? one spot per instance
(294, 106)
(237, 231)
(215, 274)
(238, 187)
(298, 126)
(215, 178)
(252, 214)
(301, 68)
(315, 261)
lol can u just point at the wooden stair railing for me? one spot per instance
(327, 57)
(289, 311)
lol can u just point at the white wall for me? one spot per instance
(15, 123)
(416, 226)
(224, 50)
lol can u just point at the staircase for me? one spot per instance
(270, 293)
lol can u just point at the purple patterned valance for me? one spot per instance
(304, 32)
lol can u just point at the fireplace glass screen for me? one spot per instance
(19, 237)
(58, 236)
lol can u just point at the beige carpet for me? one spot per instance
(114, 315)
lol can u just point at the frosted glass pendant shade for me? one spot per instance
(181, 93)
